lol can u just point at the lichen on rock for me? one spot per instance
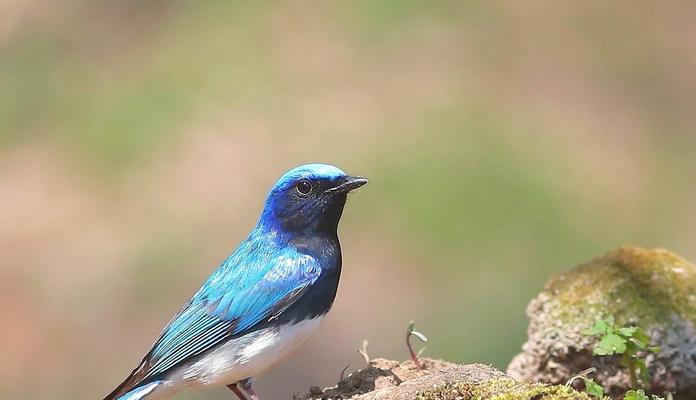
(652, 288)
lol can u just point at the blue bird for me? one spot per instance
(262, 302)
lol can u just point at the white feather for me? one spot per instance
(241, 358)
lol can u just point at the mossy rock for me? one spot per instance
(652, 288)
(437, 380)
(501, 389)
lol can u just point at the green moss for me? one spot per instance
(630, 283)
(501, 389)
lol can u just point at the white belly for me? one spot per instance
(244, 357)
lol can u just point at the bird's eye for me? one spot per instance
(303, 187)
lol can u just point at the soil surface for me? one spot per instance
(380, 374)
(437, 380)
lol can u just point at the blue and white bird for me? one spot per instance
(263, 302)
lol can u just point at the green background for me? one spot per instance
(504, 142)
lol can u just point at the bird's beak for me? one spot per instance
(348, 184)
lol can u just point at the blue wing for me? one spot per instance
(244, 291)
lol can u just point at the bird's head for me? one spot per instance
(309, 197)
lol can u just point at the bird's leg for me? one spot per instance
(233, 387)
(246, 385)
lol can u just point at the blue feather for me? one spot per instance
(140, 392)
(234, 298)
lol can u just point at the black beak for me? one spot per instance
(348, 184)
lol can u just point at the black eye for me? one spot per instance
(303, 187)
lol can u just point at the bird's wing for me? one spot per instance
(231, 301)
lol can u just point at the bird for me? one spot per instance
(262, 302)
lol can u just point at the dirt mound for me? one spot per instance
(437, 380)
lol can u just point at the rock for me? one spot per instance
(439, 380)
(315, 391)
(652, 288)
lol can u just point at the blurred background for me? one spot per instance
(504, 142)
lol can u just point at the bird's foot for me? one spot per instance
(235, 388)
(246, 385)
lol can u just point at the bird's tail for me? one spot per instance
(137, 393)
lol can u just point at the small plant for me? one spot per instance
(343, 372)
(630, 342)
(594, 389)
(411, 331)
(363, 351)
(640, 395)
(591, 387)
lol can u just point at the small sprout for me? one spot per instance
(363, 351)
(411, 331)
(591, 387)
(628, 341)
(581, 375)
(635, 395)
(343, 372)
(640, 395)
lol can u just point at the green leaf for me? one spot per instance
(419, 336)
(412, 331)
(610, 344)
(600, 327)
(636, 395)
(593, 388)
(638, 344)
(641, 335)
(628, 331)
